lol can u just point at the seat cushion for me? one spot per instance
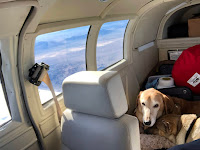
(88, 132)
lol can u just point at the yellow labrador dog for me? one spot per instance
(152, 104)
(179, 129)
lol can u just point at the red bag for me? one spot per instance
(186, 70)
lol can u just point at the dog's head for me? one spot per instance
(152, 104)
(167, 126)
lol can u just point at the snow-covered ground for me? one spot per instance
(4, 112)
(46, 95)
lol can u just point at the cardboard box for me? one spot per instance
(194, 27)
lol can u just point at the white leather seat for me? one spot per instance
(95, 118)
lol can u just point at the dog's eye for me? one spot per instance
(155, 106)
(143, 104)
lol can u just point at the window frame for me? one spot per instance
(95, 25)
(19, 124)
(10, 81)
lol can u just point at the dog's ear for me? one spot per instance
(168, 104)
(168, 127)
(138, 97)
(136, 104)
(165, 127)
(160, 125)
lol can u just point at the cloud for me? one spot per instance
(76, 49)
(50, 55)
(58, 53)
(101, 44)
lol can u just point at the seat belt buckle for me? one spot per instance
(37, 73)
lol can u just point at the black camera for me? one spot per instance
(37, 73)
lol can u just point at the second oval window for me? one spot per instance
(110, 43)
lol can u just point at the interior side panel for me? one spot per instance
(52, 141)
(131, 85)
(134, 74)
(143, 62)
(144, 32)
(33, 147)
(147, 27)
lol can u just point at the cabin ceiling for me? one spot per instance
(13, 13)
(12, 20)
(75, 9)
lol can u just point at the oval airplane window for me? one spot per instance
(64, 52)
(110, 43)
(4, 112)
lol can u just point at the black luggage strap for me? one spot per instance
(190, 128)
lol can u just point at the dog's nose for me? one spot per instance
(147, 123)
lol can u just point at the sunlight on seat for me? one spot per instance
(69, 111)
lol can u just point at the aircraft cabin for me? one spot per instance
(98, 55)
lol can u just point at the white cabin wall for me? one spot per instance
(131, 86)
(149, 20)
(134, 74)
(144, 62)
(144, 31)
(19, 132)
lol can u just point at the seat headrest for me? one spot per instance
(99, 93)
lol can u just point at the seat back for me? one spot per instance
(96, 118)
